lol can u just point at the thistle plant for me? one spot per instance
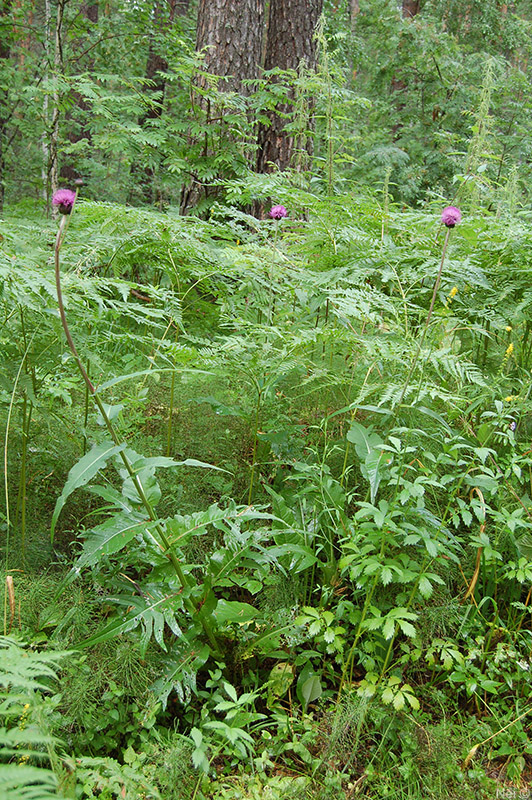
(65, 200)
(450, 217)
(276, 213)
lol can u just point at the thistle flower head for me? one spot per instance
(451, 216)
(64, 200)
(278, 212)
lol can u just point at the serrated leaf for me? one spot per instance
(399, 701)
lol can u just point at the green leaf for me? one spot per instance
(233, 611)
(364, 440)
(82, 472)
(131, 621)
(279, 682)
(311, 689)
(110, 537)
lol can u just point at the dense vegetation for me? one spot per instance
(267, 516)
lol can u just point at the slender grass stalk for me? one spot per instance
(170, 415)
(429, 317)
(271, 299)
(166, 545)
(27, 409)
(6, 450)
(254, 452)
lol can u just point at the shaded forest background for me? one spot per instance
(151, 108)
(266, 509)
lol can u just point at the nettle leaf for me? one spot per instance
(82, 472)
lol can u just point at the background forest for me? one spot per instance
(265, 399)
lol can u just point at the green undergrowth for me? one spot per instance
(289, 552)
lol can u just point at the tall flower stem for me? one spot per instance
(254, 453)
(429, 316)
(166, 545)
(271, 299)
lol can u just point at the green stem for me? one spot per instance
(171, 408)
(183, 578)
(86, 415)
(254, 453)
(271, 299)
(170, 415)
(429, 315)
(27, 411)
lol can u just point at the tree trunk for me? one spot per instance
(354, 11)
(230, 32)
(290, 41)
(52, 177)
(5, 52)
(410, 8)
(69, 171)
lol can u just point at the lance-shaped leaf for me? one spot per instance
(148, 614)
(82, 472)
(110, 537)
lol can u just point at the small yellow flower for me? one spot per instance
(509, 350)
(453, 292)
(508, 328)
(510, 398)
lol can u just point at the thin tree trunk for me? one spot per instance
(290, 43)
(354, 11)
(45, 109)
(69, 172)
(53, 170)
(410, 8)
(5, 53)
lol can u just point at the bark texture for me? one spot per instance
(230, 32)
(410, 8)
(290, 41)
(5, 52)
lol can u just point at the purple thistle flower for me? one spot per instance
(278, 212)
(64, 200)
(451, 216)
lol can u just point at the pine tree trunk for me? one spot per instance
(410, 8)
(230, 33)
(290, 41)
(5, 52)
